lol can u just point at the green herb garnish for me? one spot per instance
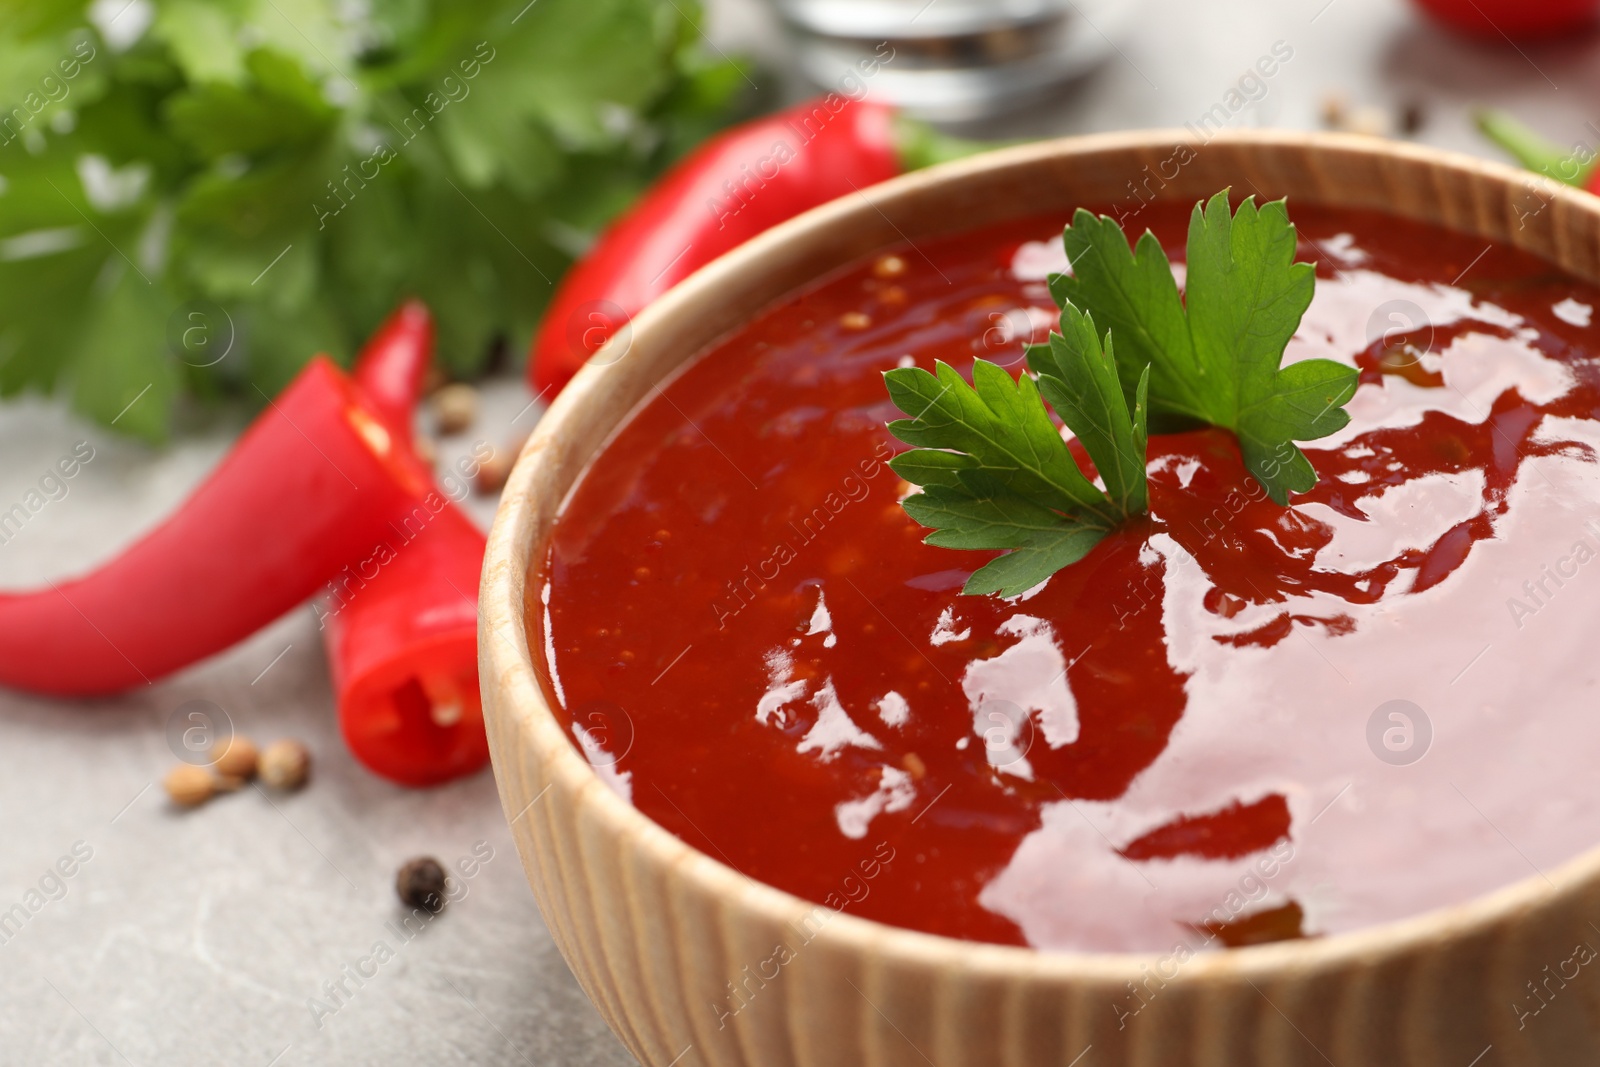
(1215, 355)
(284, 171)
(996, 473)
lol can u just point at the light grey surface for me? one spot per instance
(200, 937)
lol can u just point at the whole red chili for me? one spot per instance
(313, 482)
(1514, 20)
(400, 625)
(736, 185)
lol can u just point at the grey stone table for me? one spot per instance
(223, 935)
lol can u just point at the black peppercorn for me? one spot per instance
(1412, 117)
(420, 883)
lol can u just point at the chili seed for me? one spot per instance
(889, 267)
(855, 320)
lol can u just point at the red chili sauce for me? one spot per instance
(1188, 737)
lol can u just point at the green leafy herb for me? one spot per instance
(1215, 355)
(995, 471)
(304, 163)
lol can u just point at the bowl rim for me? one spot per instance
(511, 562)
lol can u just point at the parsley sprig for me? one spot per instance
(461, 151)
(1215, 355)
(996, 474)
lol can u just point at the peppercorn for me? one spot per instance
(237, 760)
(455, 407)
(189, 785)
(1412, 117)
(285, 764)
(421, 883)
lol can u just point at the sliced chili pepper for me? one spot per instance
(403, 654)
(401, 624)
(735, 186)
(313, 482)
(1576, 166)
(1513, 20)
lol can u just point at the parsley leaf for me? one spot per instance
(304, 163)
(1215, 356)
(1094, 407)
(995, 471)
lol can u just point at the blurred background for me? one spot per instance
(195, 162)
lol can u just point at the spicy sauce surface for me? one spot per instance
(1231, 722)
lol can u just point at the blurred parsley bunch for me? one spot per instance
(278, 174)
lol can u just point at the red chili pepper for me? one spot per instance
(736, 185)
(403, 652)
(1575, 166)
(1513, 20)
(314, 481)
(391, 368)
(401, 624)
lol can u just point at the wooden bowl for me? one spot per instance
(656, 931)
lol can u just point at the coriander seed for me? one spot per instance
(238, 760)
(285, 764)
(1335, 109)
(189, 785)
(455, 408)
(492, 473)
